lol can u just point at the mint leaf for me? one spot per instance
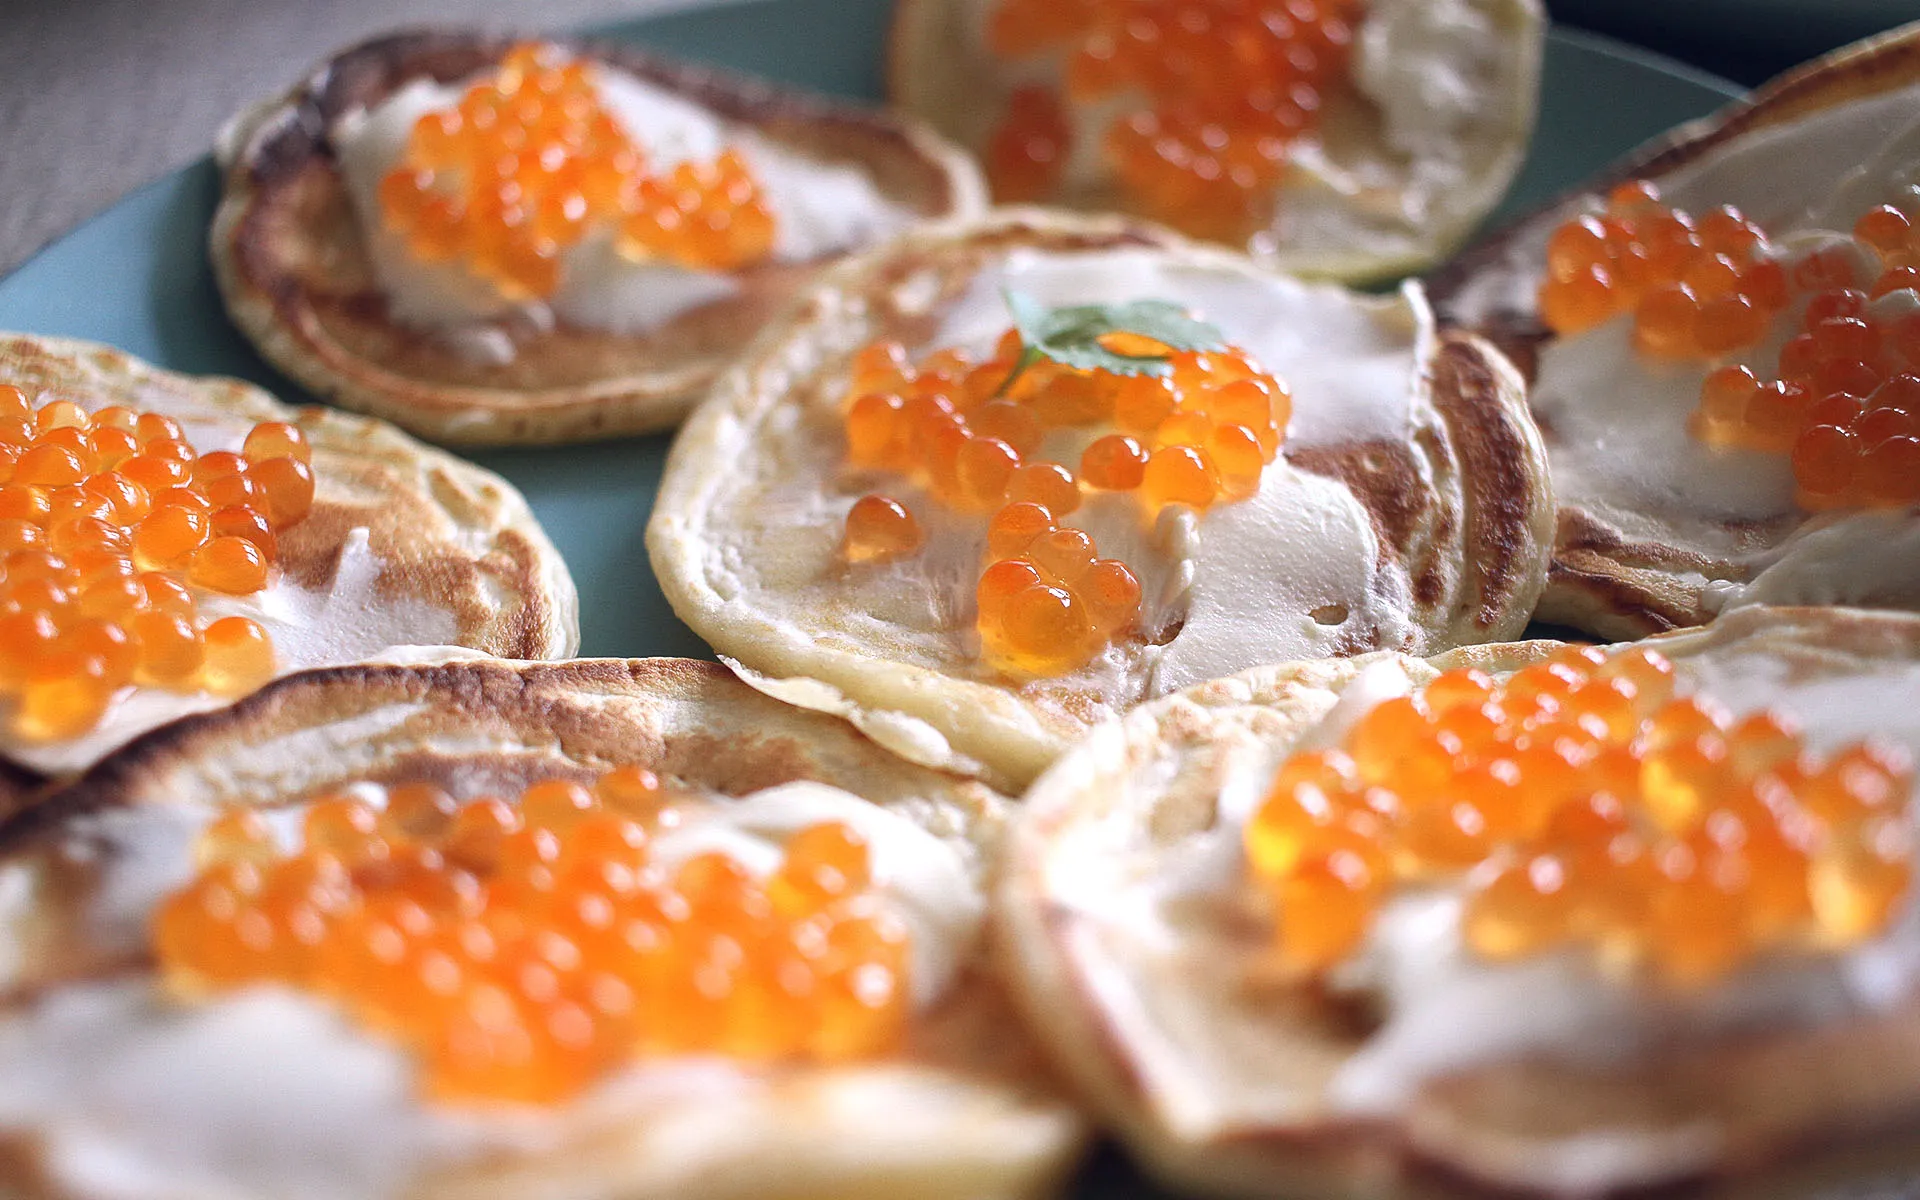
(1071, 335)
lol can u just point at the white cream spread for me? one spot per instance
(1869, 559)
(268, 1092)
(1616, 420)
(1249, 577)
(819, 208)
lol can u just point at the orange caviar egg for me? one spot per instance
(238, 656)
(1028, 151)
(1049, 485)
(1115, 463)
(100, 592)
(230, 564)
(286, 486)
(1658, 832)
(512, 982)
(1180, 474)
(276, 439)
(511, 223)
(880, 528)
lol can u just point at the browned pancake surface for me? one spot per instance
(292, 265)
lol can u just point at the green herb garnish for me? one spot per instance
(1071, 336)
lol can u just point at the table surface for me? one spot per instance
(100, 96)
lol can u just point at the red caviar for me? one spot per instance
(1698, 286)
(1844, 404)
(103, 517)
(1212, 97)
(522, 951)
(970, 434)
(529, 162)
(1586, 805)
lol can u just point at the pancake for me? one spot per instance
(1409, 508)
(404, 546)
(1656, 530)
(1408, 156)
(263, 1092)
(1419, 1072)
(298, 273)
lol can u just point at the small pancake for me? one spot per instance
(290, 256)
(1409, 158)
(405, 545)
(1430, 516)
(1656, 531)
(963, 1110)
(1119, 907)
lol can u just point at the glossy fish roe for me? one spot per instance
(529, 163)
(1585, 801)
(520, 950)
(880, 528)
(971, 435)
(108, 520)
(1697, 286)
(1204, 100)
(1843, 401)
(1846, 404)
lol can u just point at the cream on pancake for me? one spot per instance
(1408, 510)
(116, 1088)
(1656, 528)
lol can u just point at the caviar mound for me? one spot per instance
(111, 515)
(1724, 391)
(455, 551)
(1592, 803)
(293, 265)
(984, 1115)
(523, 948)
(1227, 1032)
(1063, 567)
(969, 436)
(1235, 122)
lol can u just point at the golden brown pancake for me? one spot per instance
(963, 1109)
(292, 264)
(1657, 531)
(1427, 493)
(1406, 162)
(1534, 1077)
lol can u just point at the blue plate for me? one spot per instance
(137, 277)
